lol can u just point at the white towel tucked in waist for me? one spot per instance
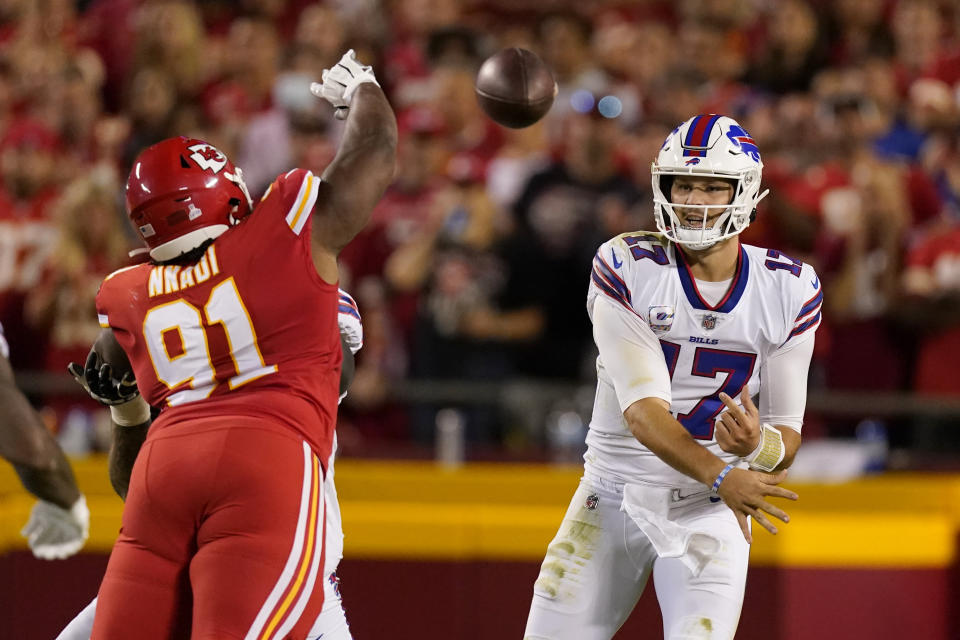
(648, 507)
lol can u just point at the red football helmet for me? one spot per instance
(181, 192)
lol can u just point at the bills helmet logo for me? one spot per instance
(591, 502)
(740, 138)
(692, 161)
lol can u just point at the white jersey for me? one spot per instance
(773, 303)
(351, 328)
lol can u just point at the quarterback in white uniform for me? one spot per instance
(690, 325)
(331, 624)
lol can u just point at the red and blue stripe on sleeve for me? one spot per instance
(348, 305)
(809, 316)
(610, 282)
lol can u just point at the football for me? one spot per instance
(111, 352)
(515, 87)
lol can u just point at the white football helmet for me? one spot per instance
(711, 146)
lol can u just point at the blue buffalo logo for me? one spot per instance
(739, 137)
(692, 161)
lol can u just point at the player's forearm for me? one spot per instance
(363, 167)
(123, 452)
(33, 451)
(54, 483)
(50, 477)
(651, 424)
(791, 444)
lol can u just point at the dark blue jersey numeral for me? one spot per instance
(793, 266)
(657, 254)
(708, 363)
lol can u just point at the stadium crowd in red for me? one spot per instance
(475, 264)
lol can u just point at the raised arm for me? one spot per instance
(364, 164)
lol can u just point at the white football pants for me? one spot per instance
(598, 564)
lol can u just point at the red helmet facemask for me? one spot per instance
(182, 192)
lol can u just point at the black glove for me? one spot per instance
(97, 378)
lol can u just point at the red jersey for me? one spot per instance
(250, 329)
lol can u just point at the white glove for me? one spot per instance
(53, 532)
(341, 81)
(349, 322)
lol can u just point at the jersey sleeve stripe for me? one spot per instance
(350, 311)
(350, 304)
(599, 276)
(267, 192)
(103, 320)
(812, 323)
(810, 306)
(300, 212)
(610, 291)
(347, 299)
(608, 274)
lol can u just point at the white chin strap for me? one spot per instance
(187, 242)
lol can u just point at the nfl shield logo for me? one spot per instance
(709, 322)
(592, 501)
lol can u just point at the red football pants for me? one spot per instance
(222, 537)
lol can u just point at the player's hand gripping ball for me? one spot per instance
(515, 87)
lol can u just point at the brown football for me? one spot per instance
(515, 87)
(111, 352)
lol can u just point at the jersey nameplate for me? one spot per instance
(172, 278)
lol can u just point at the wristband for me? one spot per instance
(770, 452)
(723, 474)
(132, 413)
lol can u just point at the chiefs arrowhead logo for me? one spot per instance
(208, 157)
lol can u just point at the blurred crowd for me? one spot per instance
(474, 266)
